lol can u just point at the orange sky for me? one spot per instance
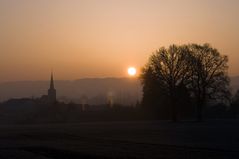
(101, 38)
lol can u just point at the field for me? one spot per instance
(143, 139)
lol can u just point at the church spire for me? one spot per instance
(52, 91)
(52, 81)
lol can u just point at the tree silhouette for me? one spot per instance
(235, 104)
(236, 97)
(154, 99)
(208, 78)
(164, 72)
(183, 72)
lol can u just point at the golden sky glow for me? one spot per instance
(101, 38)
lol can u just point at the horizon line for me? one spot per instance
(82, 78)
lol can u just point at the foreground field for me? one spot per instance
(145, 139)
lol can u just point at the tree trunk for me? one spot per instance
(174, 111)
(200, 107)
(200, 104)
(173, 103)
(199, 112)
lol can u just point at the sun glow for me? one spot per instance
(132, 71)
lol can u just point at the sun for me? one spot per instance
(132, 71)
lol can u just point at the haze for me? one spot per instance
(102, 38)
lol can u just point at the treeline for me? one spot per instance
(182, 80)
(30, 111)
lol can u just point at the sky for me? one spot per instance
(102, 38)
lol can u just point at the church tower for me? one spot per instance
(52, 91)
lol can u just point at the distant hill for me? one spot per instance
(94, 90)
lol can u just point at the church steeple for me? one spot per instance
(52, 82)
(52, 91)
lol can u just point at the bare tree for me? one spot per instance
(209, 79)
(170, 69)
